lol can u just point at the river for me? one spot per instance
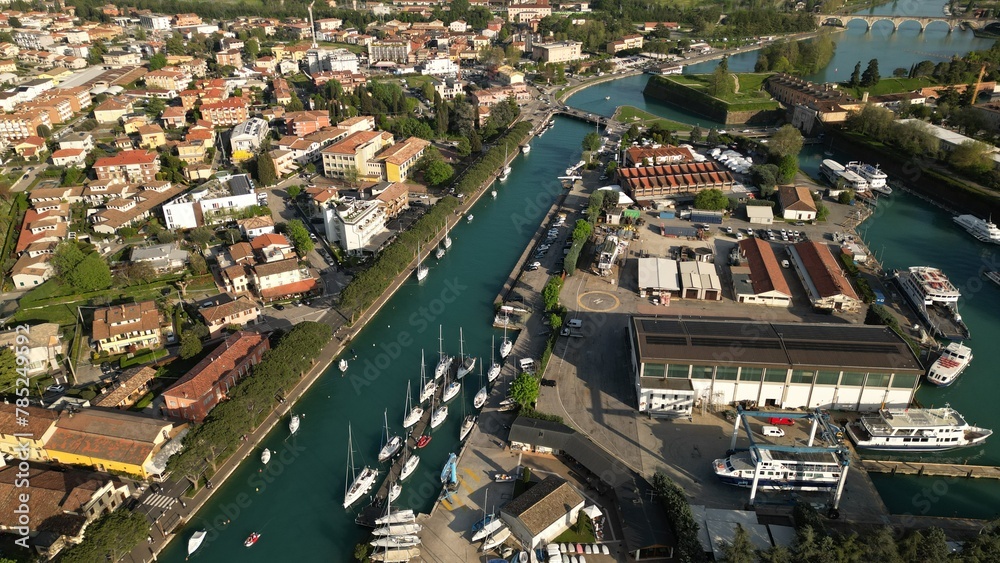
(296, 504)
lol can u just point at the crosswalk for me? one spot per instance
(157, 500)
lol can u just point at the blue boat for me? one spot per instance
(449, 474)
(479, 525)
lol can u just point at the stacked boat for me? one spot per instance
(396, 537)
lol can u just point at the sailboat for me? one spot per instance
(505, 345)
(468, 362)
(427, 388)
(396, 541)
(195, 542)
(496, 539)
(480, 399)
(392, 444)
(265, 456)
(439, 415)
(357, 484)
(397, 517)
(450, 389)
(494, 371)
(421, 269)
(439, 253)
(398, 555)
(485, 526)
(444, 362)
(293, 424)
(394, 491)
(413, 414)
(447, 239)
(468, 420)
(398, 530)
(506, 169)
(411, 461)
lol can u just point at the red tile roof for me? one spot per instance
(303, 286)
(826, 273)
(39, 420)
(765, 273)
(127, 157)
(796, 198)
(112, 435)
(269, 239)
(202, 378)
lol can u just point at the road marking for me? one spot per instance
(469, 472)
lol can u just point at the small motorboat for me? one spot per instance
(265, 456)
(342, 364)
(950, 365)
(503, 477)
(195, 542)
(293, 424)
(439, 253)
(250, 541)
(469, 218)
(494, 194)
(607, 97)
(423, 440)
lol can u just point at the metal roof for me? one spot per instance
(748, 342)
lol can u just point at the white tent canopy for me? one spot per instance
(593, 512)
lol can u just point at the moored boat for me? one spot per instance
(480, 399)
(802, 471)
(877, 180)
(423, 440)
(396, 517)
(391, 444)
(411, 463)
(399, 555)
(466, 363)
(293, 424)
(935, 299)
(993, 276)
(982, 229)
(525, 148)
(916, 430)
(195, 541)
(468, 423)
(342, 364)
(494, 372)
(505, 345)
(444, 362)
(398, 530)
(394, 491)
(265, 456)
(357, 484)
(422, 270)
(953, 361)
(413, 413)
(396, 541)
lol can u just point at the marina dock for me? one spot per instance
(931, 469)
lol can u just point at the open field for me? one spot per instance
(632, 114)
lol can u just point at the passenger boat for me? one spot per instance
(391, 444)
(877, 180)
(916, 430)
(935, 300)
(251, 540)
(800, 471)
(983, 229)
(195, 541)
(265, 456)
(357, 484)
(423, 440)
(946, 369)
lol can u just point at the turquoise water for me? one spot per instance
(296, 505)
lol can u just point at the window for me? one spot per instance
(903, 381)
(654, 370)
(727, 373)
(852, 378)
(751, 374)
(827, 377)
(878, 380)
(678, 371)
(802, 376)
(702, 372)
(775, 375)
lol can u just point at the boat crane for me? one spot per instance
(820, 421)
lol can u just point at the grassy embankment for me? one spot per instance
(691, 92)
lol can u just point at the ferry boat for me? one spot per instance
(839, 176)
(916, 430)
(950, 365)
(984, 230)
(935, 300)
(877, 180)
(801, 471)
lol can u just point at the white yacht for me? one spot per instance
(494, 372)
(877, 180)
(801, 471)
(935, 299)
(411, 463)
(450, 389)
(983, 229)
(397, 555)
(413, 413)
(265, 456)
(444, 362)
(525, 148)
(398, 530)
(396, 541)
(447, 238)
(946, 369)
(439, 253)
(916, 430)
(394, 491)
(391, 444)
(466, 363)
(438, 415)
(467, 424)
(293, 424)
(422, 270)
(505, 345)
(428, 387)
(342, 364)
(506, 169)
(358, 484)
(396, 517)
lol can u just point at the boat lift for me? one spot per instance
(820, 422)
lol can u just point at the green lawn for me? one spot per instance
(892, 86)
(143, 358)
(581, 532)
(632, 114)
(750, 83)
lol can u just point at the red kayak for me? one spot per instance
(252, 539)
(423, 440)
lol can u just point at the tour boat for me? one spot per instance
(265, 456)
(935, 300)
(983, 229)
(916, 430)
(396, 517)
(467, 425)
(494, 372)
(505, 345)
(423, 440)
(946, 369)
(399, 555)
(195, 541)
(800, 471)
(357, 485)
(422, 270)
(396, 541)
(293, 424)
(411, 463)
(394, 491)
(877, 180)
(252, 539)
(444, 362)
(342, 364)
(467, 363)
(391, 444)
(398, 529)
(413, 413)
(427, 388)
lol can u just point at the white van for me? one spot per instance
(527, 365)
(773, 431)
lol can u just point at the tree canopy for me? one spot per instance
(713, 200)
(592, 141)
(83, 271)
(299, 236)
(786, 141)
(524, 389)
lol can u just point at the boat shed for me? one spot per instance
(543, 512)
(787, 365)
(760, 214)
(658, 277)
(763, 281)
(821, 274)
(699, 280)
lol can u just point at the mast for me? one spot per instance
(351, 472)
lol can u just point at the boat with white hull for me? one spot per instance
(490, 527)
(935, 299)
(877, 180)
(358, 484)
(505, 345)
(422, 270)
(494, 372)
(398, 530)
(444, 362)
(800, 471)
(467, 363)
(399, 555)
(396, 517)
(195, 541)
(396, 541)
(438, 415)
(982, 229)
(946, 369)
(496, 539)
(293, 424)
(468, 423)
(392, 443)
(916, 430)
(413, 413)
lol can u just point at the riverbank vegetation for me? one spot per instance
(716, 96)
(797, 57)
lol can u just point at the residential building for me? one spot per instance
(154, 22)
(41, 351)
(284, 161)
(69, 157)
(30, 271)
(302, 123)
(395, 163)
(248, 136)
(543, 512)
(228, 112)
(647, 183)
(236, 279)
(111, 110)
(126, 328)
(131, 385)
(134, 208)
(77, 140)
(209, 382)
(272, 247)
(357, 226)
(323, 59)
(508, 75)
(823, 277)
(118, 59)
(210, 203)
(393, 50)
(151, 136)
(162, 257)
(665, 154)
(229, 57)
(676, 362)
(393, 197)
(225, 310)
(19, 126)
(167, 79)
(31, 438)
(110, 440)
(254, 227)
(522, 12)
(192, 152)
(796, 203)
(628, 42)
(448, 88)
(557, 52)
(762, 280)
(283, 278)
(134, 166)
(440, 66)
(351, 155)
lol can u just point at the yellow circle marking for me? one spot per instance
(614, 299)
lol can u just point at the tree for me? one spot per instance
(786, 141)
(592, 141)
(971, 157)
(695, 135)
(190, 345)
(720, 83)
(741, 549)
(438, 172)
(524, 389)
(251, 47)
(299, 236)
(157, 61)
(43, 131)
(8, 370)
(788, 167)
(713, 136)
(81, 271)
(845, 197)
(201, 236)
(197, 264)
(765, 177)
(870, 76)
(856, 76)
(713, 200)
(294, 104)
(110, 537)
(475, 142)
(464, 147)
(294, 191)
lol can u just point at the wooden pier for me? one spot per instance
(931, 469)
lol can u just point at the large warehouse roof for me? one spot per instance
(748, 342)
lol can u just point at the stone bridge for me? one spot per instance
(896, 21)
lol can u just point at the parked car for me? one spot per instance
(549, 382)
(574, 323)
(780, 421)
(279, 307)
(55, 388)
(534, 266)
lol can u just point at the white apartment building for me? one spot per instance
(354, 224)
(323, 59)
(439, 67)
(154, 22)
(249, 135)
(210, 205)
